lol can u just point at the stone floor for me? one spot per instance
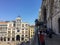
(53, 41)
(14, 43)
(9, 43)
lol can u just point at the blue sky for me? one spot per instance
(27, 9)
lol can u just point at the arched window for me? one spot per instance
(18, 37)
(1, 39)
(22, 38)
(4, 38)
(13, 39)
(18, 30)
(8, 39)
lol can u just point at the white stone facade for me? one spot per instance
(14, 31)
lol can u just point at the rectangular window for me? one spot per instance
(13, 32)
(9, 31)
(18, 20)
(18, 30)
(22, 35)
(25, 39)
(13, 28)
(26, 35)
(14, 24)
(26, 32)
(10, 25)
(22, 29)
(22, 32)
(2, 25)
(26, 25)
(26, 29)
(18, 25)
(9, 28)
(22, 25)
(0, 28)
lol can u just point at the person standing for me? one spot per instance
(42, 40)
(50, 33)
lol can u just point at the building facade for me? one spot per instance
(32, 31)
(14, 31)
(3, 30)
(50, 14)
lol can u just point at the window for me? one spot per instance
(25, 39)
(26, 25)
(13, 39)
(4, 38)
(18, 24)
(22, 35)
(9, 28)
(26, 35)
(22, 38)
(18, 20)
(22, 29)
(33, 32)
(13, 32)
(22, 25)
(26, 32)
(22, 32)
(14, 24)
(18, 30)
(8, 39)
(26, 29)
(0, 28)
(9, 31)
(1, 38)
(3, 25)
(13, 28)
(5, 28)
(10, 25)
(9, 35)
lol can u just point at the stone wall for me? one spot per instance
(52, 12)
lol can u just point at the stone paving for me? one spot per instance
(49, 41)
(9, 43)
(53, 41)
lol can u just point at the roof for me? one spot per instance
(32, 26)
(3, 22)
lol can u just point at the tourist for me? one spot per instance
(42, 40)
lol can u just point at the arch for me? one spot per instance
(1, 39)
(4, 38)
(18, 38)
